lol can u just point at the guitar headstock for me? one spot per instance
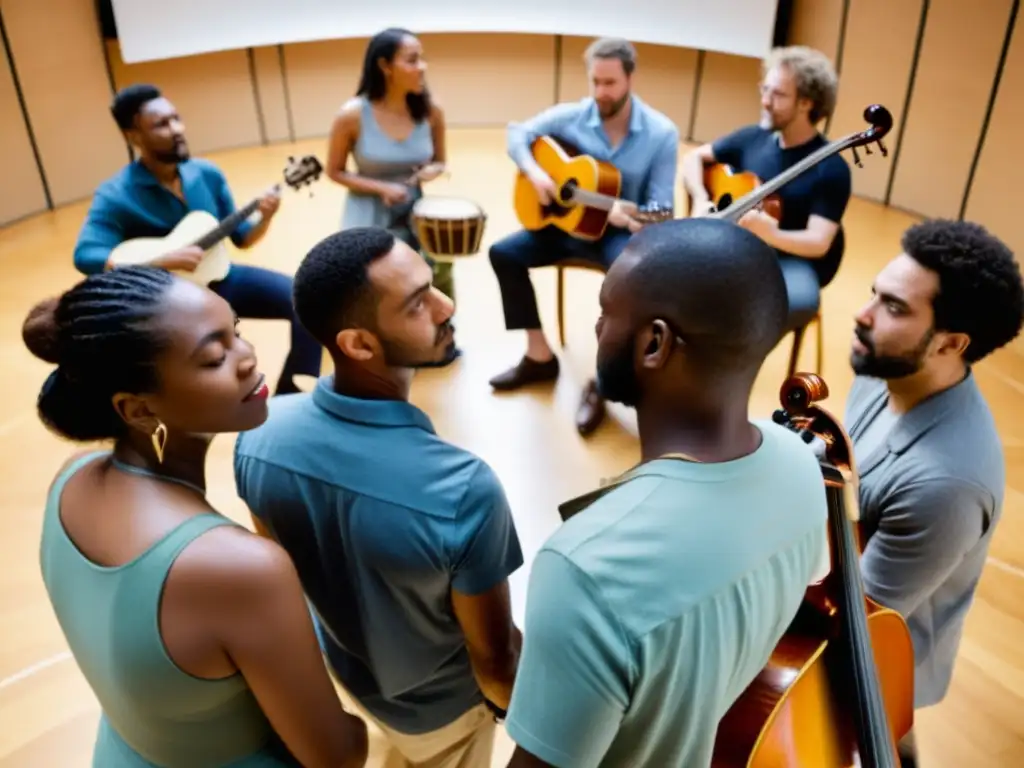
(298, 173)
(652, 214)
(881, 123)
(799, 412)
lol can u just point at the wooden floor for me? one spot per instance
(48, 715)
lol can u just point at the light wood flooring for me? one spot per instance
(47, 713)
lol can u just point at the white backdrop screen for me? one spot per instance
(161, 29)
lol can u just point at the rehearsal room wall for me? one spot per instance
(951, 73)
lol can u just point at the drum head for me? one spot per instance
(446, 208)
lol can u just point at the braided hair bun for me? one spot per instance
(39, 332)
(104, 336)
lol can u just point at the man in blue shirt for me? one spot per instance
(798, 92)
(613, 125)
(404, 542)
(663, 594)
(150, 196)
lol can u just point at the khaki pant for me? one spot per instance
(468, 742)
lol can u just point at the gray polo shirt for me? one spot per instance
(382, 518)
(931, 492)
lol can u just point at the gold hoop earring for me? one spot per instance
(159, 439)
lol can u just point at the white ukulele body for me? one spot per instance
(214, 265)
(199, 226)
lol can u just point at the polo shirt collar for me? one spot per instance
(926, 414)
(377, 413)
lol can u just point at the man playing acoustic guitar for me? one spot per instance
(798, 92)
(151, 195)
(612, 125)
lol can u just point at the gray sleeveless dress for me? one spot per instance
(378, 156)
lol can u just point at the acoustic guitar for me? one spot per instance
(202, 229)
(724, 184)
(587, 188)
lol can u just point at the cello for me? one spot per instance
(838, 689)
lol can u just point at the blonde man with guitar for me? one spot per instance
(631, 150)
(151, 196)
(798, 91)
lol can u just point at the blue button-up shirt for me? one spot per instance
(383, 519)
(646, 158)
(133, 203)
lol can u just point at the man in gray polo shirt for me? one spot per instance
(929, 458)
(404, 543)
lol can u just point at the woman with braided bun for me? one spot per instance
(192, 631)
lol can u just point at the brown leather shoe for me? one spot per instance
(591, 410)
(526, 372)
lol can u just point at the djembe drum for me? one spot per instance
(448, 228)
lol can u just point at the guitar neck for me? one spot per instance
(750, 200)
(593, 199)
(227, 225)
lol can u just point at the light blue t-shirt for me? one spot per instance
(382, 518)
(653, 608)
(646, 158)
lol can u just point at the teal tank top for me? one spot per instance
(378, 156)
(154, 714)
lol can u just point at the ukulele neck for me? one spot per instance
(227, 225)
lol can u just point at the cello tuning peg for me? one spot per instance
(779, 416)
(867, 149)
(882, 149)
(856, 159)
(807, 436)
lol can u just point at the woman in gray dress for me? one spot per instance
(396, 136)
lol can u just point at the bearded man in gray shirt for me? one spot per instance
(930, 460)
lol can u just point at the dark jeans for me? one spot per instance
(262, 294)
(513, 256)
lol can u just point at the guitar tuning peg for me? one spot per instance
(882, 149)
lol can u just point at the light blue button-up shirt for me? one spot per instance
(646, 158)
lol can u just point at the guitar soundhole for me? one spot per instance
(557, 205)
(566, 190)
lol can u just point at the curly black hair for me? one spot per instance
(980, 289)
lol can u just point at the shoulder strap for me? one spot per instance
(57, 487)
(166, 551)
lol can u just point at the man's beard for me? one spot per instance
(617, 381)
(615, 108)
(888, 366)
(396, 355)
(179, 154)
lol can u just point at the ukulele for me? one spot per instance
(202, 229)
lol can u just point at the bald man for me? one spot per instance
(662, 596)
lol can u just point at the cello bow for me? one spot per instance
(838, 689)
